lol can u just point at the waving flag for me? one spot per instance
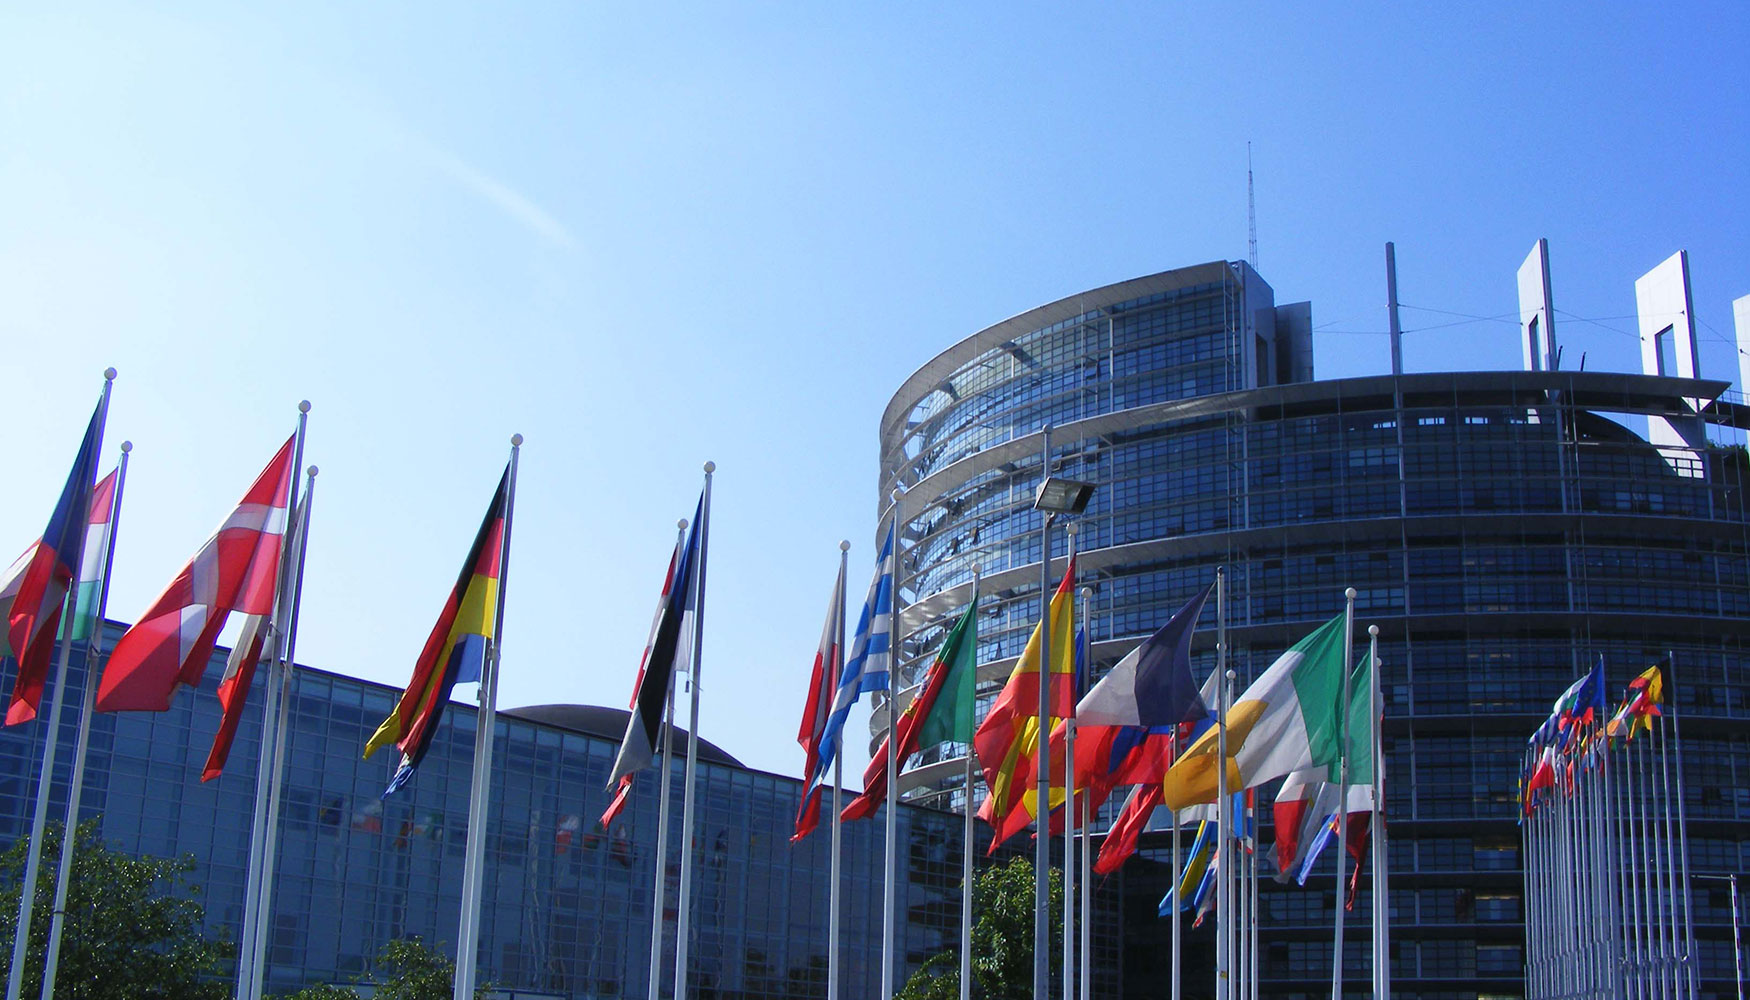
(1640, 702)
(234, 571)
(94, 559)
(36, 587)
(867, 666)
(623, 789)
(828, 659)
(941, 712)
(665, 653)
(1288, 719)
(1009, 738)
(1127, 828)
(455, 651)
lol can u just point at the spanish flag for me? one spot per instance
(454, 653)
(1008, 740)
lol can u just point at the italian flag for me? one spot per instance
(1288, 720)
(93, 558)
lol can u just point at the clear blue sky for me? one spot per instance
(646, 235)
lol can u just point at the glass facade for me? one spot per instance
(1503, 530)
(567, 907)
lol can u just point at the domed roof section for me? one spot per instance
(610, 724)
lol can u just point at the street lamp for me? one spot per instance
(1056, 496)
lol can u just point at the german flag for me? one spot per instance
(454, 653)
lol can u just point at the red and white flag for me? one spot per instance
(236, 570)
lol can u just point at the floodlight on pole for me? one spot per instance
(1058, 495)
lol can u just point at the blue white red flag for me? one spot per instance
(35, 591)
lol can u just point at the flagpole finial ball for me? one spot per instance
(978, 567)
(127, 446)
(516, 440)
(845, 545)
(681, 524)
(1087, 593)
(710, 467)
(1373, 630)
(1231, 675)
(1349, 592)
(303, 406)
(313, 470)
(109, 374)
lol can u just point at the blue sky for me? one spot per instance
(647, 235)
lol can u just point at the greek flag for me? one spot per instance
(866, 668)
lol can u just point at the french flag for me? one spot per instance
(236, 570)
(35, 589)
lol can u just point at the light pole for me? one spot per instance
(1056, 496)
(1737, 938)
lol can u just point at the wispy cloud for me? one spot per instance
(501, 196)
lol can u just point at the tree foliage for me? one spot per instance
(133, 929)
(407, 969)
(1002, 940)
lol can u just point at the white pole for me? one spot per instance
(76, 785)
(664, 778)
(1737, 942)
(1223, 810)
(1042, 774)
(1069, 818)
(1691, 971)
(1178, 877)
(966, 843)
(286, 646)
(683, 915)
(467, 946)
(1381, 898)
(264, 762)
(833, 670)
(1087, 941)
(51, 739)
(1343, 791)
(890, 867)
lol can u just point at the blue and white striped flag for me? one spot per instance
(870, 659)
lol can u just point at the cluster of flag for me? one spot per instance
(1579, 731)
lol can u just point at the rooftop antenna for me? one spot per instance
(1251, 214)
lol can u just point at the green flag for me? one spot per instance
(949, 718)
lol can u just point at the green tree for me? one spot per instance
(407, 969)
(1002, 940)
(133, 928)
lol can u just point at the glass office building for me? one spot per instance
(1503, 529)
(567, 907)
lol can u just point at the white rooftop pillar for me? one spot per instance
(1741, 319)
(1668, 348)
(1537, 334)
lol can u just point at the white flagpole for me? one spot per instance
(264, 763)
(468, 936)
(1178, 878)
(1069, 809)
(1343, 791)
(889, 891)
(1223, 810)
(286, 646)
(1381, 894)
(966, 841)
(76, 785)
(1691, 972)
(1042, 772)
(1087, 939)
(665, 778)
(683, 914)
(834, 669)
(33, 854)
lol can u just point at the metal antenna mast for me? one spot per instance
(1251, 214)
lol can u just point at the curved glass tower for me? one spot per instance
(1503, 529)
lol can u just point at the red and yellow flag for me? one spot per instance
(1008, 740)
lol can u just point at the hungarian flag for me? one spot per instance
(941, 713)
(95, 560)
(246, 653)
(1121, 839)
(236, 570)
(455, 651)
(35, 588)
(1287, 720)
(666, 651)
(623, 789)
(822, 681)
(1009, 739)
